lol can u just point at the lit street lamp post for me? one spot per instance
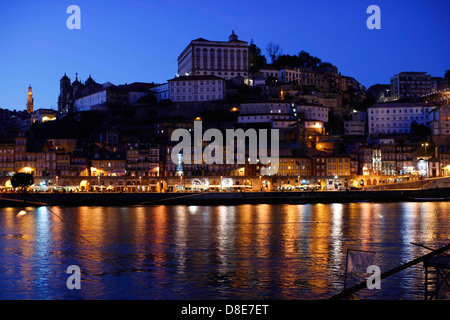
(425, 145)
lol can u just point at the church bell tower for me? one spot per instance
(30, 100)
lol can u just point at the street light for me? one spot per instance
(425, 145)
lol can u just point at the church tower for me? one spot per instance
(30, 103)
(65, 89)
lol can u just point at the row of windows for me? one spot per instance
(206, 90)
(225, 73)
(340, 160)
(225, 66)
(399, 111)
(294, 161)
(392, 124)
(110, 165)
(265, 117)
(425, 117)
(212, 52)
(391, 131)
(330, 167)
(195, 83)
(197, 97)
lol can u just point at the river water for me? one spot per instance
(215, 252)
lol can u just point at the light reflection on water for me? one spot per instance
(214, 252)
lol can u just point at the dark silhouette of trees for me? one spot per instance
(22, 180)
(302, 60)
(419, 130)
(256, 58)
(274, 51)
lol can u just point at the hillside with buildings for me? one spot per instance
(334, 133)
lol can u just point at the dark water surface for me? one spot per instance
(218, 252)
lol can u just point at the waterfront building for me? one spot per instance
(318, 167)
(338, 166)
(444, 163)
(404, 159)
(62, 164)
(46, 164)
(433, 167)
(294, 166)
(79, 165)
(106, 163)
(142, 159)
(7, 158)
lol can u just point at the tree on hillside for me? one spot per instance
(308, 61)
(419, 130)
(274, 51)
(447, 75)
(257, 59)
(302, 60)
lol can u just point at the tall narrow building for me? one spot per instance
(65, 90)
(30, 103)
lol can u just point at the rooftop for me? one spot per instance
(400, 105)
(193, 78)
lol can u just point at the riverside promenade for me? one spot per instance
(219, 198)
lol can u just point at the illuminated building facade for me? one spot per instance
(225, 59)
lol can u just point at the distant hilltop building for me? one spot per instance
(410, 85)
(69, 92)
(224, 59)
(30, 100)
(93, 96)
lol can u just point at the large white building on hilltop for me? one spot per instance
(396, 118)
(225, 59)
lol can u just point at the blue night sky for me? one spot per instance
(127, 41)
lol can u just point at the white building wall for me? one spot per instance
(397, 119)
(87, 102)
(196, 90)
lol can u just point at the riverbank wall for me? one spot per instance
(219, 198)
